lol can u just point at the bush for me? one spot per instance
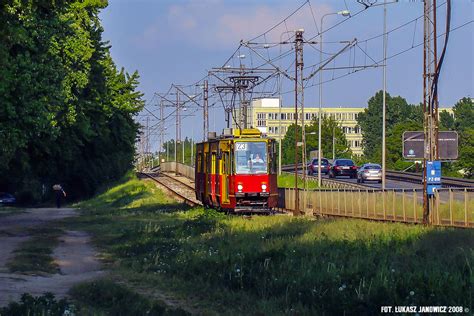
(41, 305)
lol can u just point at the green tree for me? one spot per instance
(394, 144)
(329, 128)
(288, 145)
(463, 123)
(67, 112)
(370, 121)
(466, 153)
(446, 121)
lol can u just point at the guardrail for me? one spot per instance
(330, 183)
(452, 207)
(179, 168)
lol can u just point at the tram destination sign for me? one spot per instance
(413, 143)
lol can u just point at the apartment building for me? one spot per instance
(264, 114)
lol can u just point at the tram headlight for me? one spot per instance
(264, 187)
(240, 187)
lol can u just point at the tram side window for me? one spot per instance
(199, 163)
(272, 158)
(208, 163)
(226, 163)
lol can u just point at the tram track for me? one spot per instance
(178, 189)
(185, 192)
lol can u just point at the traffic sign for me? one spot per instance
(433, 176)
(413, 144)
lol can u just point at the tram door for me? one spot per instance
(214, 177)
(225, 176)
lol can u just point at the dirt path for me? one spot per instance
(76, 259)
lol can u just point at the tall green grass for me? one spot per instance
(288, 181)
(278, 264)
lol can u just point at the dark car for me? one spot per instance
(7, 199)
(343, 167)
(313, 166)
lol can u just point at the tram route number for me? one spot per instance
(241, 147)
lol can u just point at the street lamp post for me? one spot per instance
(343, 13)
(305, 183)
(333, 143)
(384, 105)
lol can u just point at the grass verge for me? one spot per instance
(288, 181)
(105, 297)
(275, 264)
(8, 210)
(34, 256)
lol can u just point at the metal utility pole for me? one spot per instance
(147, 143)
(384, 104)
(298, 93)
(243, 103)
(430, 98)
(162, 130)
(178, 128)
(192, 148)
(206, 111)
(279, 123)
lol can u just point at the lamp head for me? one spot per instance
(344, 13)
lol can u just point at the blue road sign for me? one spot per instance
(433, 176)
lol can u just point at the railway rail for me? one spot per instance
(179, 189)
(455, 205)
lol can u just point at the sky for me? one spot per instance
(178, 42)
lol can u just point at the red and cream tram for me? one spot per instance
(237, 171)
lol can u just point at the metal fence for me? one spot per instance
(179, 168)
(452, 207)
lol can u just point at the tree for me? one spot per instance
(370, 121)
(446, 121)
(288, 145)
(466, 153)
(329, 127)
(394, 144)
(463, 124)
(67, 112)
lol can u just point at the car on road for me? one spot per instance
(343, 167)
(369, 172)
(7, 199)
(313, 166)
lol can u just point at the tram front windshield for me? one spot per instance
(250, 157)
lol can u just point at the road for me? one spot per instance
(76, 259)
(390, 184)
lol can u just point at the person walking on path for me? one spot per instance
(59, 191)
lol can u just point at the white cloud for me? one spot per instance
(214, 24)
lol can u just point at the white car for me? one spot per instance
(369, 172)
